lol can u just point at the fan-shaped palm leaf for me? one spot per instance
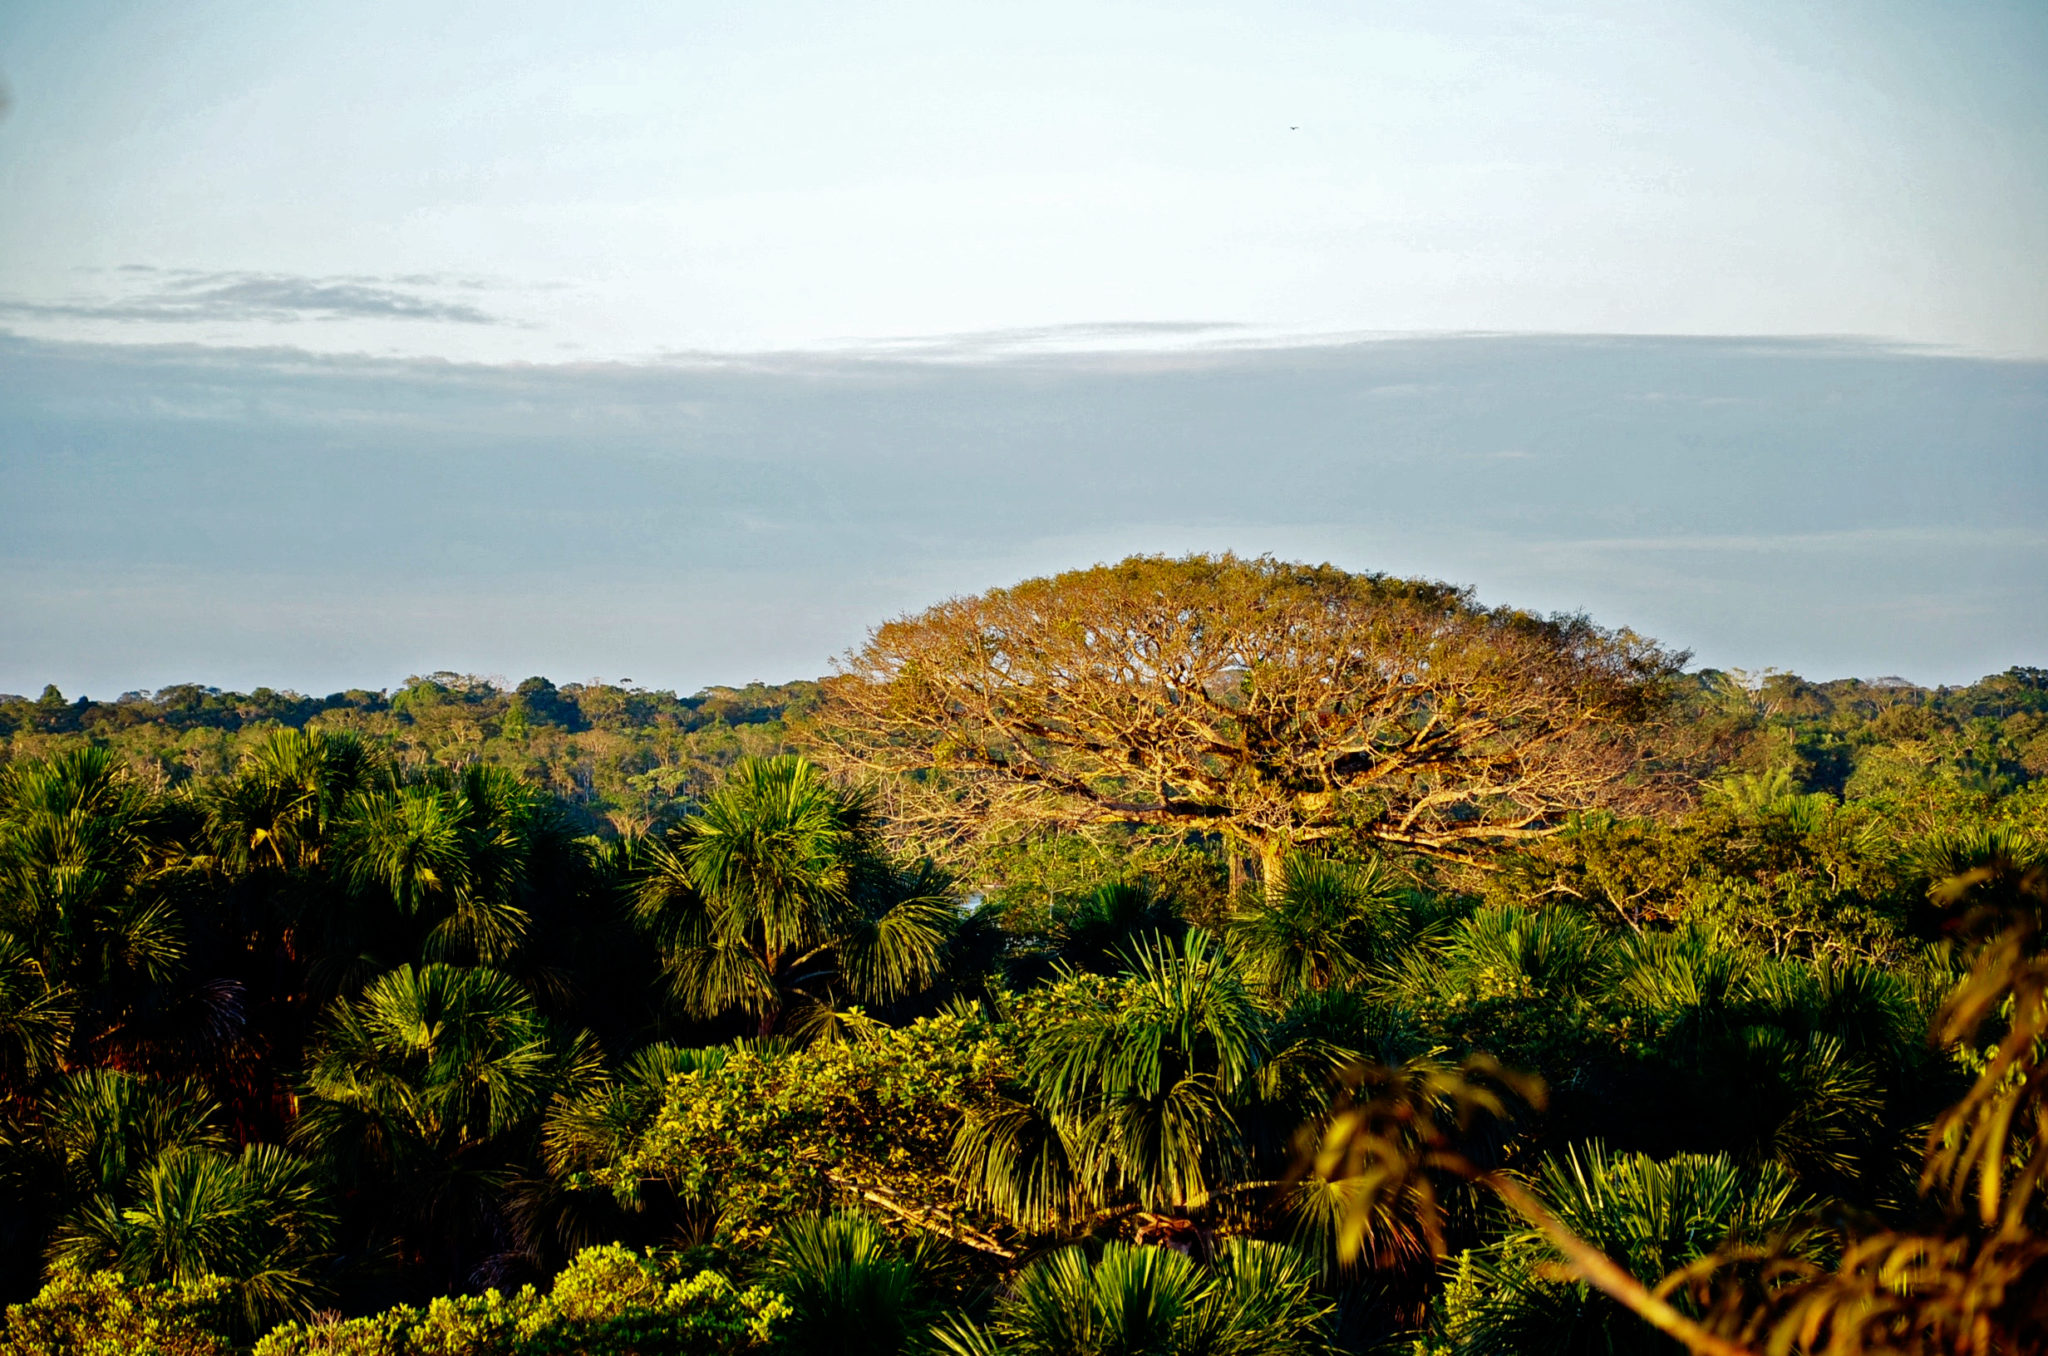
(771, 851)
(1010, 1156)
(425, 1089)
(1098, 931)
(82, 847)
(1319, 928)
(851, 1290)
(406, 843)
(257, 1219)
(448, 1055)
(898, 948)
(774, 892)
(36, 1016)
(1651, 1217)
(102, 1126)
(1543, 951)
(1143, 1301)
(287, 797)
(1140, 1084)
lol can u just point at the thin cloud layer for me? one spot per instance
(270, 515)
(1094, 336)
(185, 296)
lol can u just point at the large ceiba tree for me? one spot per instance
(1280, 705)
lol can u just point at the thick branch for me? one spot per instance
(934, 1221)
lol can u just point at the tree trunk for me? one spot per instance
(1272, 863)
(772, 1015)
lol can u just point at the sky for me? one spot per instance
(683, 343)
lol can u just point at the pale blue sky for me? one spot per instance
(684, 342)
(243, 517)
(611, 179)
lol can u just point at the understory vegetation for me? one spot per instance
(1299, 962)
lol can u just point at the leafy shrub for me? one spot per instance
(759, 1133)
(610, 1301)
(103, 1313)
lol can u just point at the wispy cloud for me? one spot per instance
(183, 296)
(1049, 338)
(1862, 539)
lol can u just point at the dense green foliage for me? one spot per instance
(613, 755)
(461, 1020)
(104, 1313)
(608, 1301)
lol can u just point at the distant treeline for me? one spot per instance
(627, 756)
(620, 756)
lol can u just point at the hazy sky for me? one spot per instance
(246, 517)
(684, 342)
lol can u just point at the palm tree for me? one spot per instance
(98, 1128)
(258, 1219)
(1158, 1088)
(1142, 1301)
(852, 1292)
(589, 1129)
(1692, 975)
(36, 1018)
(458, 857)
(1320, 927)
(1652, 1217)
(1724, 1018)
(271, 832)
(136, 1174)
(1140, 1083)
(1755, 796)
(1983, 865)
(425, 1091)
(1515, 952)
(86, 1139)
(1097, 931)
(1012, 1156)
(287, 799)
(775, 894)
(88, 863)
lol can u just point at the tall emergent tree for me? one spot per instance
(1277, 704)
